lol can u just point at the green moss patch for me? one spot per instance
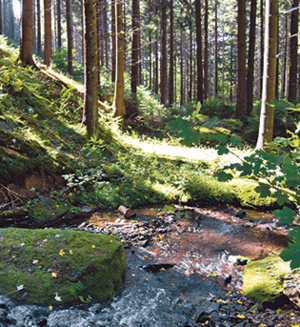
(49, 210)
(59, 266)
(263, 279)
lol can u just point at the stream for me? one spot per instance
(182, 270)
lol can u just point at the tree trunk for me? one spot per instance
(163, 68)
(39, 29)
(182, 94)
(231, 72)
(156, 63)
(100, 27)
(283, 57)
(119, 105)
(171, 68)
(26, 47)
(293, 53)
(113, 41)
(265, 134)
(216, 48)
(262, 47)
(150, 57)
(205, 70)
(11, 19)
(125, 37)
(90, 112)
(241, 71)
(191, 61)
(70, 36)
(199, 50)
(34, 25)
(1, 17)
(105, 35)
(48, 37)
(250, 71)
(58, 23)
(135, 46)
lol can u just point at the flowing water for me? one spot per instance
(172, 279)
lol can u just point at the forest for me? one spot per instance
(149, 163)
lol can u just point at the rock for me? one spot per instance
(86, 209)
(263, 280)
(213, 307)
(41, 198)
(241, 214)
(42, 323)
(57, 270)
(154, 268)
(228, 279)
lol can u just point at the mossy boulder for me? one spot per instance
(264, 279)
(64, 264)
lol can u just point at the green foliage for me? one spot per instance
(215, 106)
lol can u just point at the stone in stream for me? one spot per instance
(39, 267)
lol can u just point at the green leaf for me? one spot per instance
(281, 198)
(236, 140)
(286, 215)
(223, 177)
(263, 189)
(286, 255)
(222, 150)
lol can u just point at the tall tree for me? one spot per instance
(250, 71)
(113, 40)
(205, 68)
(90, 112)
(241, 71)
(171, 67)
(26, 48)
(199, 51)
(11, 19)
(262, 46)
(70, 36)
(135, 46)
(39, 29)
(105, 34)
(0, 17)
(48, 37)
(58, 23)
(265, 134)
(163, 69)
(293, 53)
(216, 48)
(119, 105)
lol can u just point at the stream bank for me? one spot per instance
(181, 271)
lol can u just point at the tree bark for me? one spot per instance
(11, 19)
(156, 63)
(90, 112)
(1, 21)
(163, 68)
(119, 105)
(262, 47)
(293, 53)
(250, 71)
(26, 47)
(70, 36)
(135, 46)
(113, 40)
(199, 51)
(58, 23)
(205, 68)
(171, 67)
(216, 48)
(265, 134)
(241, 71)
(106, 35)
(48, 36)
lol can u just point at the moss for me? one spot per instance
(246, 194)
(263, 279)
(71, 263)
(50, 210)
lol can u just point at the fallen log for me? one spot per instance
(126, 212)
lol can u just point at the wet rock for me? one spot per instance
(202, 318)
(86, 209)
(213, 307)
(154, 268)
(241, 214)
(42, 323)
(228, 279)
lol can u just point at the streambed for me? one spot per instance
(181, 271)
